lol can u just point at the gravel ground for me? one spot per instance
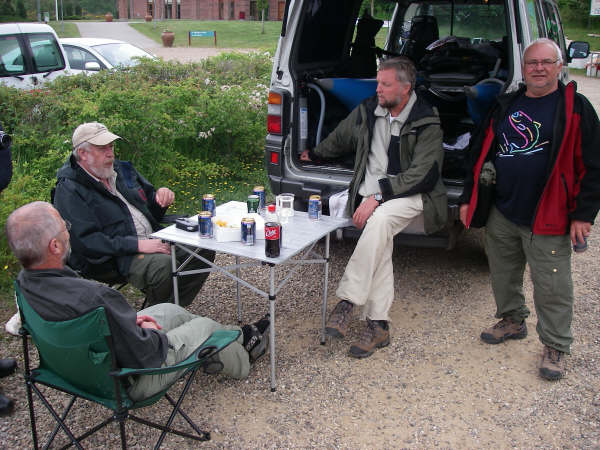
(436, 385)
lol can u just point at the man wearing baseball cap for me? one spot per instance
(113, 210)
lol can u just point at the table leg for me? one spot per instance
(325, 282)
(272, 324)
(174, 272)
(238, 273)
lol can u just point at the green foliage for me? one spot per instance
(21, 12)
(196, 128)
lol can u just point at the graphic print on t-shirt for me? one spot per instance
(523, 137)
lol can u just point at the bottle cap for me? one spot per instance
(271, 208)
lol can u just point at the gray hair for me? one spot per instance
(546, 41)
(404, 67)
(29, 229)
(84, 146)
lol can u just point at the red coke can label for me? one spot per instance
(272, 232)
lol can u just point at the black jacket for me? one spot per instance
(103, 235)
(5, 166)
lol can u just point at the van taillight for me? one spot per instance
(274, 113)
(274, 158)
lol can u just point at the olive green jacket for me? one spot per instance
(421, 157)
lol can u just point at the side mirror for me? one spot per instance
(92, 66)
(578, 50)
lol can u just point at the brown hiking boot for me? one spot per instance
(337, 325)
(553, 364)
(505, 329)
(374, 336)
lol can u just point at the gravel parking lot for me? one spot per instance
(436, 385)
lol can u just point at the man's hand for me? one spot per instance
(304, 156)
(165, 197)
(579, 230)
(147, 322)
(464, 209)
(364, 211)
(153, 246)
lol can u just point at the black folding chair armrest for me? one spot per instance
(208, 348)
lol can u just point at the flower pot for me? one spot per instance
(148, 18)
(167, 38)
(108, 17)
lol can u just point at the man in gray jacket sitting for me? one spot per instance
(161, 334)
(397, 142)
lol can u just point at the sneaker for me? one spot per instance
(374, 336)
(339, 319)
(505, 329)
(553, 364)
(256, 338)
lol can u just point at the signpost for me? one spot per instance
(595, 8)
(192, 34)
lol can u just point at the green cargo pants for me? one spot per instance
(151, 273)
(185, 332)
(509, 247)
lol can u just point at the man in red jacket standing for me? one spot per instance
(543, 143)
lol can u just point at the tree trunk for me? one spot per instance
(263, 21)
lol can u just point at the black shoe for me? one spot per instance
(7, 366)
(256, 338)
(6, 405)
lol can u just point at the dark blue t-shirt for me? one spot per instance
(523, 146)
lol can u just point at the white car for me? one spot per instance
(30, 55)
(94, 54)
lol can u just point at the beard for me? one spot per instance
(103, 173)
(67, 254)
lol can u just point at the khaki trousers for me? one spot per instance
(369, 276)
(185, 332)
(509, 247)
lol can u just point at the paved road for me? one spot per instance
(116, 30)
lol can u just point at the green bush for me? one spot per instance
(196, 128)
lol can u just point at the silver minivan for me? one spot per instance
(30, 55)
(466, 53)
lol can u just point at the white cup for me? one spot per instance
(285, 206)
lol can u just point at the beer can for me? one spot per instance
(260, 191)
(314, 207)
(248, 231)
(253, 203)
(205, 225)
(209, 204)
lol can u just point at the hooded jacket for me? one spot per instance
(420, 158)
(572, 185)
(103, 235)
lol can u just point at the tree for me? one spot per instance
(6, 8)
(261, 5)
(21, 12)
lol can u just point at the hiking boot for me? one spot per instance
(339, 319)
(256, 338)
(373, 336)
(553, 364)
(505, 329)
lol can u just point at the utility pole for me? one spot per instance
(56, 8)
(39, 11)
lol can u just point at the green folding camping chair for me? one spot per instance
(77, 357)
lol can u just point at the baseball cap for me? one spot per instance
(94, 133)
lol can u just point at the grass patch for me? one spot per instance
(230, 34)
(65, 29)
(580, 33)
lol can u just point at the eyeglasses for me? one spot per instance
(103, 148)
(68, 225)
(546, 63)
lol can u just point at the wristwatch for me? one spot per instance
(378, 197)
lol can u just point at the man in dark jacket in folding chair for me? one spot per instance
(163, 333)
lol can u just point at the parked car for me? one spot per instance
(94, 54)
(30, 55)
(466, 53)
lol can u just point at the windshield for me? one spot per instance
(477, 22)
(123, 55)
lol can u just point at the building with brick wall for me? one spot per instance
(198, 9)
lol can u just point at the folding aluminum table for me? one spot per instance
(300, 235)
